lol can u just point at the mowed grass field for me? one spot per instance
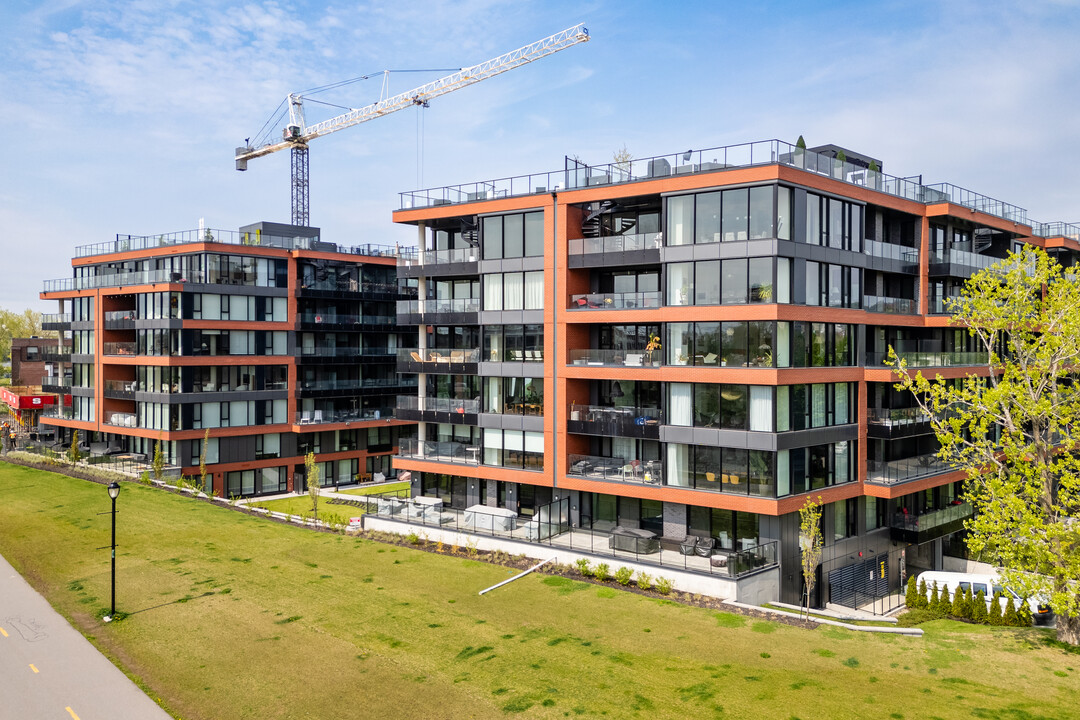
(235, 616)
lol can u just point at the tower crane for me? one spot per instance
(297, 133)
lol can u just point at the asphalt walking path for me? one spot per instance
(49, 670)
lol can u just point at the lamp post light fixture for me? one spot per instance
(114, 491)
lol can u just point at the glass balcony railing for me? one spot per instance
(441, 257)
(896, 416)
(48, 320)
(347, 385)
(593, 467)
(896, 306)
(119, 348)
(441, 355)
(437, 404)
(932, 519)
(322, 417)
(896, 471)
(121, 419)
(929, 359)
(964, 258)
(344, 351)
(453, 452)
(626, 358)
(58, 411)
(621, 420)
(424, 307)
(1058, 229)
(120, 279)
(893, 252)
(616, 243)
(616, 301)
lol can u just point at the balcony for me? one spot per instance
(895, 306)
(115, 349)
(642, 248)
(56, 321)
(930, 359)
(120, 389)
(120, 320)
(892, 258)
(335, 287)
(616, 301)
(959, 263)
(459, 261)
(450, 452)
(889, 423)
(438, 311)
(121, 419)
(56, 384)
(614, 469)
(121, 279)
(326, 417)
(54, 354)
(442, 360)
(905, 527)
(334, 321)
(615, 358)
(630, 422)
(892, 472)
(344, 351)
(337, 387)
(59, 412)
(941, 305)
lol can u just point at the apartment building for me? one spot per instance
(687, 347)
(276, 342)
(27, 362)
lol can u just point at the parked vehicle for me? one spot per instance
(989, 585)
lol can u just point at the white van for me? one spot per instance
(988, 584)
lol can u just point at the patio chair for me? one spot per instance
(705, 546)
(688, 545)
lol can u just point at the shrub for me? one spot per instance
(959, 607)
(145, 477)
(995, 611)
(944, 603)
(583, 567)
(413, 538)
(1023, 615)
(978, 612)
(644, 580)
(911, 597)
(663, 586)
(970, 603)
(922, 603)
(1010, 618)
(934, 599)
(601, 572)
(623, 576)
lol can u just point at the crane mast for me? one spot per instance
(297, 133)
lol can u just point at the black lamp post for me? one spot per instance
(114, 491)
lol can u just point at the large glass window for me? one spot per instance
(680, 283)
(735, 222)
(680, 220)
(707, 285)
(708, 217)
(761, 212)
(534, 234)
(734, 282)
(761, 284)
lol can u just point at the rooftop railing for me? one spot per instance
(766, 152)
(119, 279)
(129, 243)
(1058, 229)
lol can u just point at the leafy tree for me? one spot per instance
(810, 544)
(74, 453)
(841, 156)
(1016, 432)
(622, 158)
(800, 143)
(18, 325)
(922, 603)
(911, 597)
(158, 463)
(311, 474)
(874, 166)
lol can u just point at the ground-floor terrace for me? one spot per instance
(871, 545)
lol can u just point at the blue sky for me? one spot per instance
(122, 117)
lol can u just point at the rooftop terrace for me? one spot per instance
(717, 159)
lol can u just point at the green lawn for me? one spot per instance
(394, 487)
(235, 616)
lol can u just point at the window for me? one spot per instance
(680, 220)
(707, 217)
(736, 214)
(761, 212)
(734, 282)
(707, 283)
(760, 278)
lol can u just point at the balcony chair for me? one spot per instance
(688, 545)
(705, 546)
(709, 359)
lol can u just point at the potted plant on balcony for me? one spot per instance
(838, 165)
(800, 152)
(651, 346)
(873, 176)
